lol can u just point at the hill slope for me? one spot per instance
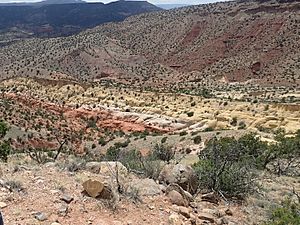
(245, 42)
(51, 18)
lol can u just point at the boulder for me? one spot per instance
(98, 189)
(107, 168)
(40, 216)
(180, 174)
(93, 187)
(175, 187)
(177, 199)
(111, 168)
(93, 167)
(145, 187)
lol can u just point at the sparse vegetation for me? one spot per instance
(226, 168)
(197, 139)
(4, 144)
(288, 213)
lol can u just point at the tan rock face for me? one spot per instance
(93, 187)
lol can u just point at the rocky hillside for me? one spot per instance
(58, 18)
(243, 43)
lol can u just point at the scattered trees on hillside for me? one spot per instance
(229, 166)
(4, 144)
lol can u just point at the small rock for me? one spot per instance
(206, 217)
(232, 223)
(193, 219)
(3, 205)
(107, 193)
(194, 205)
(186, 195)
(40, 216)
(50, 164)
(184, 211)
(151, 207)
(177, 199)
(222, 221)
(210, 197)
(228, 212)
(66, 198)
(214, 212)
(93, 167)
(113, 168)
(174, 219)
(63, 210)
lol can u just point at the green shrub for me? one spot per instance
(282, 155)
(163, 140)
(182, 133)
(122, 144)
(242, 125)
(4, 150)
(102, 141)
(287, 214)
(4, 145)
(208, 129)
(197, 140)
(190, 114)
(147, 166)
(233, 121)
(112, 153)
(3, 129)
(226, 167)
(163, 152)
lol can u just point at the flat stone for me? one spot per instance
(67, 199)
(40, 216)
(3, 205)
(206, 217)
(184, 211)
(63, 210)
